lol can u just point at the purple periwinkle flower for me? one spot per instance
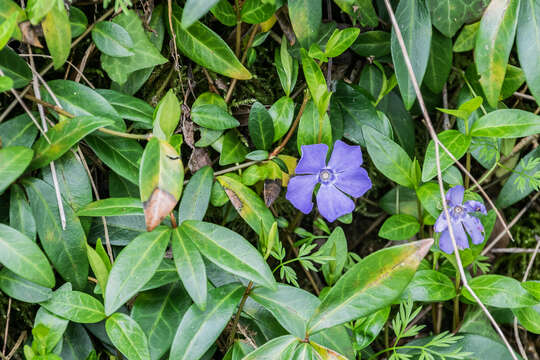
(460, 217)
(342, 176)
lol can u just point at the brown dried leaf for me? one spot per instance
(272, 189)
(31, 34)
(157, 207)
(199, 158)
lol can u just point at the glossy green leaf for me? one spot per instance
(500, 291)
(399, 227)
(78, 21)
(127, 336)
(99, 266)
(256, 11)
(224, 12)
(63, 136)
(248, 204)
(112, 39)
(292, 307)
(129, 107)
(529, 318)
(533, 287)
(282, 113)
(76, 343)
(159, 313)
(57, 31)
(207, 49)
(287, 67)
(511, 192)
(15, 67)
(194, 10)
(37, 9)
(21, 289)
(340, 41)
(389, 158)
(142, 257)
(165, 274)
(429, 286)
(190, 267)
(383, 274)
(313, 128)
(439, 63)
(506, 123)
(316, 83)
(493, 45)
(401, 120)
(7, 28)
(466, 38)
(56, 325)
(18, 131)
(20, 214)
(199, 329)
(145, 54)
(161, 179)
(456, 142)
(336, 247)
(372, 43)
(261, 126)
(166, 116)
(120, 154)
(13, 162)
(304, 351)
(196, 196)
(430, 198)
(65, 248)
(6, 83)
(367, 328)
(528, 43)
(449, 15)
(278, 348)
(229, 251)
(306, 17)
(112, 207)
(213, 117)
(75, 306)
(415, 25)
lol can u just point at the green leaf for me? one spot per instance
(63, 136)
(161, 178)
(415, 25)
(389, 158)
(196, 196)
(206, 48)
(316, 82)
(57, 31)
(21, 289)
(75, 306)
(466, 38)
(112, 39)
(166, 116)
(528, 43)
(336, 247)
(529, 318)
(13, 162)
(120, 154)
(449, 15)
(18, 131)
(66, 248)
(76, 344)
(261, 126)
(340, 41)
(224, 12)
(127, 336)
(367, 328)
(7, 28)
(500, 291)
(430, 198)
(190, 267)
(286, 66)
(306, 17)
(456, 142)
(304, 351)
(399, 227)
(401, 120)
(159, 313)
(213, 117)
(20, 214)
(256, 11)
(165, 274)
(99, 266)
(282, 113)
(440, 62)
(313, 128)
(383, 274)
(292, 307)
(56, 325)
(199, 329)
(194, 10)
(248, 204)
(372, 43)
(112, 207)
(493, 45)
(233, 150)
(15, 67)
(511, 192)
(229, 251)
(78, 21)
(281, 347)
(429, 286)
(142, 256)
(37, 9)
(326, 353)
(145, 55)
(506, 123)
(129, 107)
(6, 83)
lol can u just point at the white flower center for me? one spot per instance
(458, 209)
(325, 175)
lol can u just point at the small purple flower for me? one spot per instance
(342, 175)
(460, 216)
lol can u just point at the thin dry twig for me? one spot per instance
(433, 135)
(6, 330)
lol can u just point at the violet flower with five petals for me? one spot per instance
(461, 219)
(342, 176)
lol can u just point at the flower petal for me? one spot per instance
(474, 228)
(313, 159)
(445, 243)
(461, 238)
(454, 196)
(475, 206)
(354, 182)
(345, 157)
(332, 203)
(300, 192)
(441, 224)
